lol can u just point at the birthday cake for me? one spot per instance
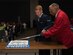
(18, 44)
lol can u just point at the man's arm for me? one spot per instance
(58, 25)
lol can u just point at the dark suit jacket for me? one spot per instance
(44, 22)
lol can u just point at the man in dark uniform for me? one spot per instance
(42, 21)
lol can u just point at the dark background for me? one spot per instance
(66, 5)
(10, 10)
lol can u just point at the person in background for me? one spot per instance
(24, 27)
(42, 21)
(2, 31)
(13, 27)
(61, 29)
(9, 30)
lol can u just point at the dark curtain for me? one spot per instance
(10, 10)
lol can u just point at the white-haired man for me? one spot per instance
(61, 28)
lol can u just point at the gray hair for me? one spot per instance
(54, 5)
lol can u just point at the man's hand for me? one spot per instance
(43, 31)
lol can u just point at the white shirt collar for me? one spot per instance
(57, 13)
(40, 15)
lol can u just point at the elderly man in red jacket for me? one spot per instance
(61, 28)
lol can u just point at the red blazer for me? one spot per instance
(61, 29)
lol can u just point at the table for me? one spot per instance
(34, 48)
